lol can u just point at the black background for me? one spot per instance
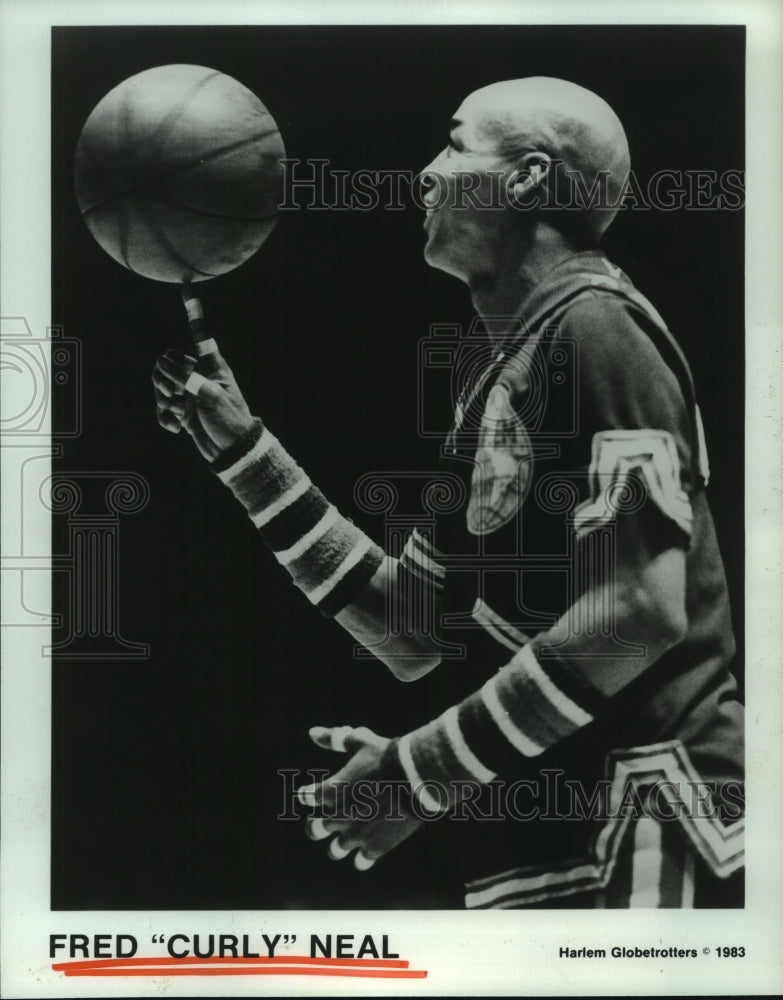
(165, 791)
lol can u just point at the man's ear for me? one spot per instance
(530, 176)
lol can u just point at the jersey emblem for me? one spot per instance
(627, 469)
(503, 466)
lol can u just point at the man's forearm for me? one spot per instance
(409, 652)
(555, 684)
(334, 563)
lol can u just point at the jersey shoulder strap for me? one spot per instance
(562, 294)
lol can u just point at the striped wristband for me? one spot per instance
(524, 709)
(438, 753)
(327, 556)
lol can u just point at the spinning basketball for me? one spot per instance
(178, 173)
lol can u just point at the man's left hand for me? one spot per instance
(358, 808)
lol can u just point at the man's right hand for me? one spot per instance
(212, 409)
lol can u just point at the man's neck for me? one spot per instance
(501, 293)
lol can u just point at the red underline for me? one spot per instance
(95, 963)
(190, 965)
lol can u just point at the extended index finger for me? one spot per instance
(205, 344)
(195, 313)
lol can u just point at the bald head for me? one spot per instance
(560, 119)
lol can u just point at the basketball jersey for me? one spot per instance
(586, 380)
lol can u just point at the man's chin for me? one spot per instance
(440, 261)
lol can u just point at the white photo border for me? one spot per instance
(503, 953)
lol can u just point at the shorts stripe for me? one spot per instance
(646, 863)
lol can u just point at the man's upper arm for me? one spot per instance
(632, 454)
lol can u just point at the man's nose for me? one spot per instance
(433, 166)
(430, 181)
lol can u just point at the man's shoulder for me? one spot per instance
(582, 291)
(599, 345)
(611, 324)
(604, 316)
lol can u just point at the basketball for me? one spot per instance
(178, 174)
